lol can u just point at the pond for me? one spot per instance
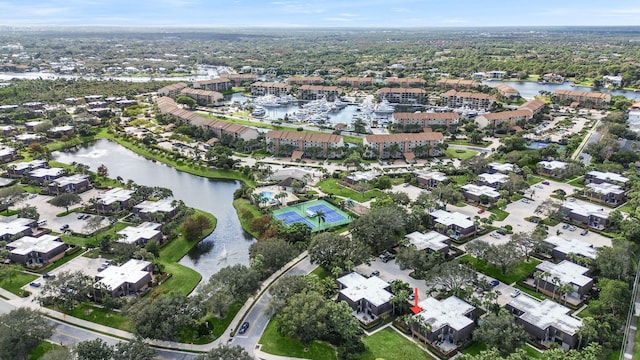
(227, 245)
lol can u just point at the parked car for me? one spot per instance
(565, 226)
(480, 211)
(572, 228)
(375, 273)
(494, 283)
(243, 328)
(584, 232)
(35, 284)
(64, 227)
(48, 276)
(80, 217)
(526, 201)
(501, 232)
(515, 293)
(546, 183)
(103, 267)
(411, 296)
(32, 196)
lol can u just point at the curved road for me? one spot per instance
(258, 317)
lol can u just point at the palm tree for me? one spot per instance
(537, 276)
(321, 216)
(565, 290)
(556, 285)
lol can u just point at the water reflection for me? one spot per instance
(227, 245)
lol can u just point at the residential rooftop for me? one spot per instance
(10, 226)
(546, 314)
(553, 164)
(431, 174)
(71, 179)
(479, 190)
(605, 188)
(432, 240)
(608, 176)
(452, 218)
(42, 172)
(145, 231)
(572, 246)
(130, 272)
(492, 178)
(450, 311)
(506, 167)
(583, 208)
(115, 194)
(372, 289)
(28, 244)
(148, 206)
(566, 271)
(364, 175)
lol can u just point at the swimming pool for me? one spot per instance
(267, 195)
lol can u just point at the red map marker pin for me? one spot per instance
(415, 308)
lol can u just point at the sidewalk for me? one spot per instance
(224, 339)
(266, 356)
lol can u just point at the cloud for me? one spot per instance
(337, 19)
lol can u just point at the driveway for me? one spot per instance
(48, 212)
(391, 271)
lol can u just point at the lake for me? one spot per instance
(227, 245)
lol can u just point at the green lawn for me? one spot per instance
(532, 180)
(577, 182)
(475, 348)
(221, 324)
(180, 165)
(183, 279)
(276, 344)
(499, 214)
(531, 292)
(239, 204)
(41, 349)
(331, 186)
(460, 179)
(483, 144)
(388, 344)
(518, 273)
(101, 316)
(460, 154)
(14, 283)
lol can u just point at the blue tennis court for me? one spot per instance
(306, 213)
(291, 217)
(330, 215)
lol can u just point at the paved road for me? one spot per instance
(258, 317)
(66, 334)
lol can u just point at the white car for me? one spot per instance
(515, 293)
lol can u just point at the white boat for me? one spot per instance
(385, 107)
(259, 111)
(268, 101)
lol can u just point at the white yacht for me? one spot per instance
(259, 111)
(385, 107)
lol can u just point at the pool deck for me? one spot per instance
(276, 190)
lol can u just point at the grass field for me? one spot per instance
(178, 165)
(240, 204)
(101, 316)
(518, 273)
(460, 154)
(14, 283)
(183, 279)
(276, 344)
(332, 186)
(388, 344)
(500, 215)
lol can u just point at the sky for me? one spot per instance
(319, 13)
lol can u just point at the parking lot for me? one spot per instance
(391, 271)
(49, 213)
